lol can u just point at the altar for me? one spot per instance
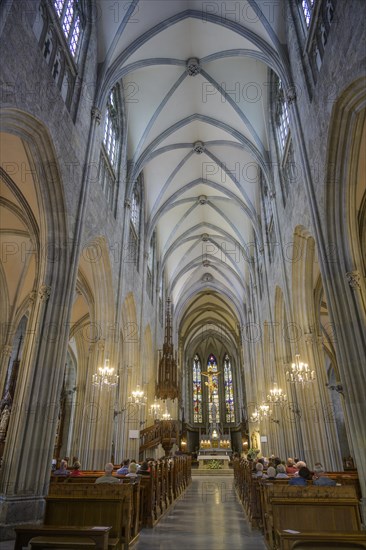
(205, 457)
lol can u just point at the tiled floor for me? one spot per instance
(207, 517)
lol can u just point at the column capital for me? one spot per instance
(96, 114)
(309, 337)
(6, 350)
(353, 278)
(44, 292)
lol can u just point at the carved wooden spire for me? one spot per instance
(167, 385)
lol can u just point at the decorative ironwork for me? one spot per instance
(167, 386)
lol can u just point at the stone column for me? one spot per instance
(28, 450)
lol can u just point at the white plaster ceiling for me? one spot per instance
(145, 46)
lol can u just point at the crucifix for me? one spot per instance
(211, 384)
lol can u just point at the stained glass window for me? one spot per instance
(110, 129)
(282, 119)
(68, 12)
(212, 367)
(229, 393)
(307, 8)
(135, 209)
(197, 390)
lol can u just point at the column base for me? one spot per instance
(16, 511)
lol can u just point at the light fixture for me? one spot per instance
(105, 377)
(300, 373)
(154, 410)
(166, 415)
(276, 395)
(264, 411)
(261, 413)
(254, 417)
(137, 397)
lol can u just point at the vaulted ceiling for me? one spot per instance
(195, 77)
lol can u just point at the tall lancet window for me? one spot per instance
(69, 12)
(229, 393)
(212, 367)
(197, 390)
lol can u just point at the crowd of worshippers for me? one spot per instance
(295, 470)
(129, 469)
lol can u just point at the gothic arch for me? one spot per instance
(346, 190)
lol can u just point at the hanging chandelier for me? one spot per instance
(264, 411)
(154, 410)
(167, 384)
(166, 415)
(261, 413)
(137, 397)
(105, 377)
(254, 417)
(300, 373)
(276, 395)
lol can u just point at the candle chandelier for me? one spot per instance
(300, 373)
(261, 413)
(276, 395)
(154, 410)
(166, 415)
(137, 397)
(105, 377)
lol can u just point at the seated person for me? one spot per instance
(271, 472)
(299, 464)
(108, 477)
(145, 469)
(281, 472)
(304, 475)
(259, 471)
(291, 468)
(75, 472)
(124, 468)
(320, 477)
(132, 470)
(133, 461)
(62, 470)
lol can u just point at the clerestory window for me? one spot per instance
(69, 14)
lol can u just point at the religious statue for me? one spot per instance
(211, 384)
(254, 441)
(4, 421)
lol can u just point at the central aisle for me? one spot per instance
(207, 517)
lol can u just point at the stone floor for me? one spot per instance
(207, 517)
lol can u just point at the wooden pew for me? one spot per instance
(167, 480)
(118, 505)
(308, 509)
(83, 537)
(324, 540)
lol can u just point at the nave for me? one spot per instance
(183, 238)
(207, 516)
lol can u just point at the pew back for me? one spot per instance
(90, 504)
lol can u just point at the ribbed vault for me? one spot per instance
(195, 79)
